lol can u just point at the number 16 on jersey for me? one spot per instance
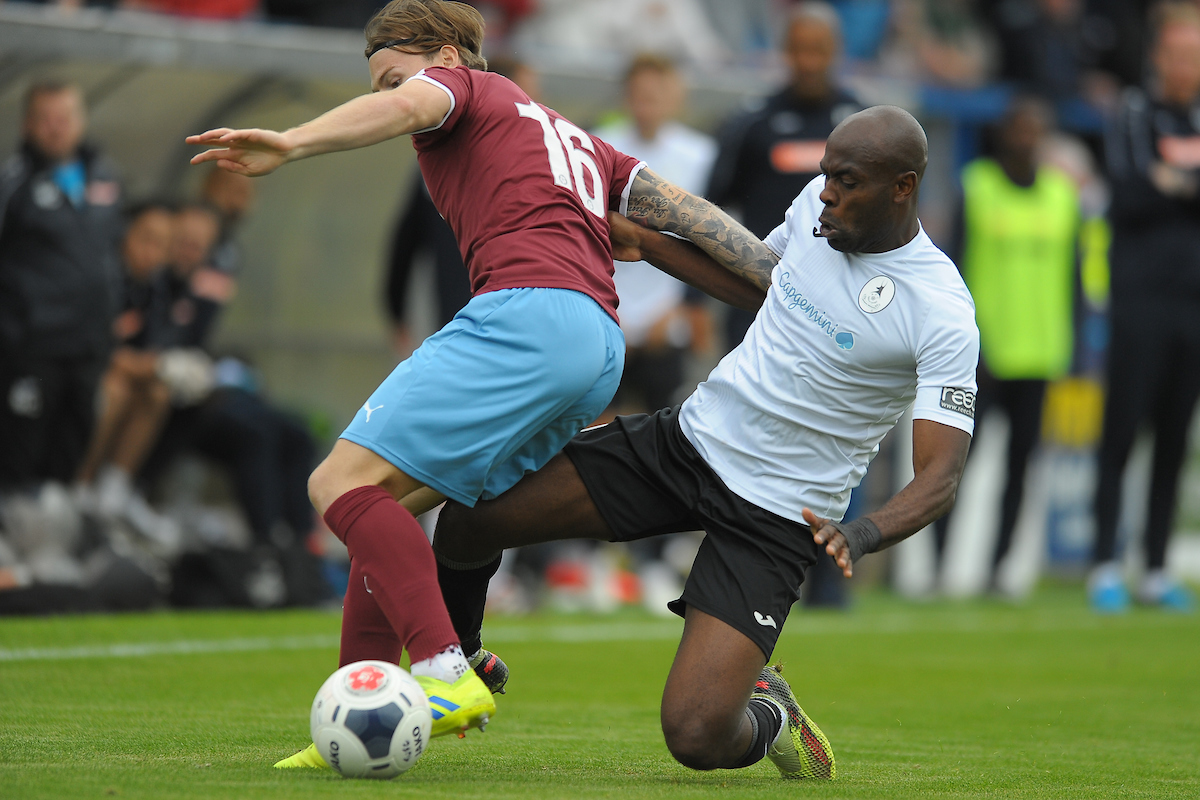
(570, 150)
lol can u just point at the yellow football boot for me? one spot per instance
(457, 706)
(308, 757)
(800, 750)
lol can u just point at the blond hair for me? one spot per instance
(425, 26)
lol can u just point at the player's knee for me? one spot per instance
(116, 388)
(694, 745)
(693, 741)
(322, 487)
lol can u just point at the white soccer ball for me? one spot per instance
(371, 719)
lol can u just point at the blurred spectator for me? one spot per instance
(1053, 48)
(230, 195)
(195, 291)
(421, 232)
(502, 15)
(60, 228)
(168, 316)
(1120, 28)
(134, 401)
(1153, 153)
(218, 411)
(203, 9)
(582, 29)
(661, 318)
(767, 157)
(939, 41)
(325, 13)
(1018, 228)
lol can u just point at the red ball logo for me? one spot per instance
(365, 679)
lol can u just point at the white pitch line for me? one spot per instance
(603, 632)
(662, 630)
(183, 647)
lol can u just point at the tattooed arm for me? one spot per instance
(661, 206)
(681, 259)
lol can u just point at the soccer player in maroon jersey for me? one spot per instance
(533, 357)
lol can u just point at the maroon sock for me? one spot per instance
(366, 632)
(390, 551)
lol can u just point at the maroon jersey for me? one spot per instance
(524, 190)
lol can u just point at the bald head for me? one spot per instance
(887, 138)
(873, 166)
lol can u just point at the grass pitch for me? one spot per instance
(939, 700)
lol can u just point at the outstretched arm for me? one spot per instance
(939, 455)
(662, 206)
(681, 259)
(372, 118)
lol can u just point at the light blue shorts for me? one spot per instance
(496, 393)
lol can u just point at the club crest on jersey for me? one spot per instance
(961, 401)
(877, 294)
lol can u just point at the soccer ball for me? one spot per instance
(371, 719)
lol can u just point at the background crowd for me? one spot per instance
(139, 464)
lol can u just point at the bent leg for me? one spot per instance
(705, 717)
(116, 396)
(351, 466)
(151, 405)
(366, 632)
(546, 506)
(357, 492)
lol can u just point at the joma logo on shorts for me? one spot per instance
(961, 401)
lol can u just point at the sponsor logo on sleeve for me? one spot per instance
(960, 401)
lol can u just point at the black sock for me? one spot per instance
(765, 720)
(465, 594)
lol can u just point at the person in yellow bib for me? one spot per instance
(1017, 252)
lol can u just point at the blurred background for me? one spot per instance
(181, 347)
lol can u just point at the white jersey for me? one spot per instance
(842, 346)
(684, 157)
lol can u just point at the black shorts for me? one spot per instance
(646, 478)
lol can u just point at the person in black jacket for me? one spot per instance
(767, 157)
(60, 279)
(1153, 152)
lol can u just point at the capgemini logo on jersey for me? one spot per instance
(845, 340)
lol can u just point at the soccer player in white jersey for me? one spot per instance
(863, 318)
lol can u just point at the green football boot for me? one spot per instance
(800, 750)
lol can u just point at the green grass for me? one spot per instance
(936, 700)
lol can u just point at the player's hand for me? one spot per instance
(626, 237)
(251, 151)
(829, 537)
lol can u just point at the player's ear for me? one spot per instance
(448, 56)
(906, 187)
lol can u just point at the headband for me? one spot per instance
(390, 43)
